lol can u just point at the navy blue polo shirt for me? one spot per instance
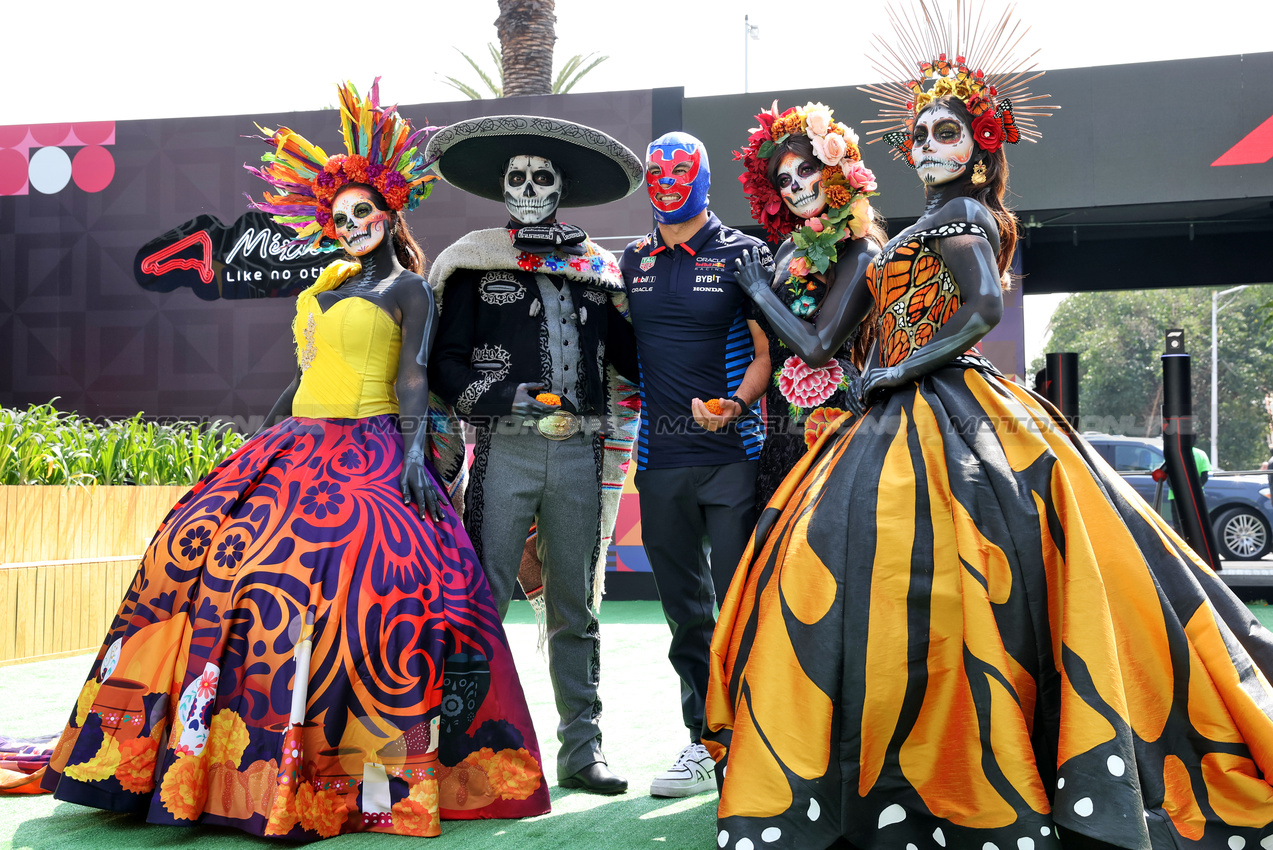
(690, 320)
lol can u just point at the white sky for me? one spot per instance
(81, 61)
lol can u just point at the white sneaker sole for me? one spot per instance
(680, 787)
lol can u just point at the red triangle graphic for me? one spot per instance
(1255, 148)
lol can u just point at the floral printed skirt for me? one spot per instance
(958, 628)
(300, 655)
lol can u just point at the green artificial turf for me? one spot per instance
(641, 723)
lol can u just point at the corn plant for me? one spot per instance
(42, 445)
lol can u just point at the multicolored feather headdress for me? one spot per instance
(382, 152)
(956, 56)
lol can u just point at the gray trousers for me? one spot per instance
(519, 478)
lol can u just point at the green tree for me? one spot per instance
(572, 72)
(1119, 337)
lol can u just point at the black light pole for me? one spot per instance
(1063, 385)
(1177, 443)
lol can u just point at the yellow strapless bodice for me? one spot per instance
(348, 355)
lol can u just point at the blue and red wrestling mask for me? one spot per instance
(677, 176)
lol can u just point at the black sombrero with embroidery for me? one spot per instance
(471, 155)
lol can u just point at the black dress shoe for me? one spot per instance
(596, 778)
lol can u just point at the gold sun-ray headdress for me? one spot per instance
(969, 54)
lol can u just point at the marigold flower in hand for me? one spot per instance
(549, 398)
(713, 406)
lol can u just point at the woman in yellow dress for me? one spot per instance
(957, 627)
(310, 645)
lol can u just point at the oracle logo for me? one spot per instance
(50, 157)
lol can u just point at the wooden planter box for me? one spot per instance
(67, 556)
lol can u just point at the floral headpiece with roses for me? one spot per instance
(382, 152)
(848, 184)
(999, 99)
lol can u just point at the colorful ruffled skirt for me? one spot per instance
(301, 655)
(959, 628)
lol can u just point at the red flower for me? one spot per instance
(988, 131)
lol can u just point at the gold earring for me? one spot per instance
(979, 174)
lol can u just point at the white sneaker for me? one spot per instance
(693, 772)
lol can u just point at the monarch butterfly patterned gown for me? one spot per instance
(300, 654)
(957, 627)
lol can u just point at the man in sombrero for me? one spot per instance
(533, 308)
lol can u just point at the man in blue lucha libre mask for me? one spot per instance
(696, 470)
(678, 177)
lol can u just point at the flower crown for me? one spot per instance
(998, 98)
(847, 181)
(382, 152)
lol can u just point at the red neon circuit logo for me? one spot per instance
(161, 261)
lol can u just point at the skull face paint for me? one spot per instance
(677, 177)
(360, 225)
(532, 189)
(943, 146)
(799, 182)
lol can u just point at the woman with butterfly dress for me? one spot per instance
(956, 625)
(310, 646)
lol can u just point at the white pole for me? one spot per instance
(746, 38)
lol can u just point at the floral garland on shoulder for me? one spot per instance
(848, 184)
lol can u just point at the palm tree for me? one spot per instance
(571, 72)
(526, 36)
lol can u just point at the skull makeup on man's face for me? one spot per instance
(532, 189)
(800, 185)
(360, 225)
(677, 177)
(943, 146)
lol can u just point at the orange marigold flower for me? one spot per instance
(283, 815)
(512, 774)
(831, 171)
(549, 398)
(227, 738)
(415, 814)
(136, 771)
(356, 168)
(185, 787)
(333, 164)
(852, 151)
(321, 811)
(396, 196)
(411, 818)
(837, 196)
(713, 406)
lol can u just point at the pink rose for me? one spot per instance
(829, 148)
(805, 387)
(863, 215)
(799, 266)
(818, 119)
(817, 223)
(859, 176)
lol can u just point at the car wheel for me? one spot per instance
(1243, 535)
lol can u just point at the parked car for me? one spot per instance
(1240, 508)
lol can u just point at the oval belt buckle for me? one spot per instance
(561, 425)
